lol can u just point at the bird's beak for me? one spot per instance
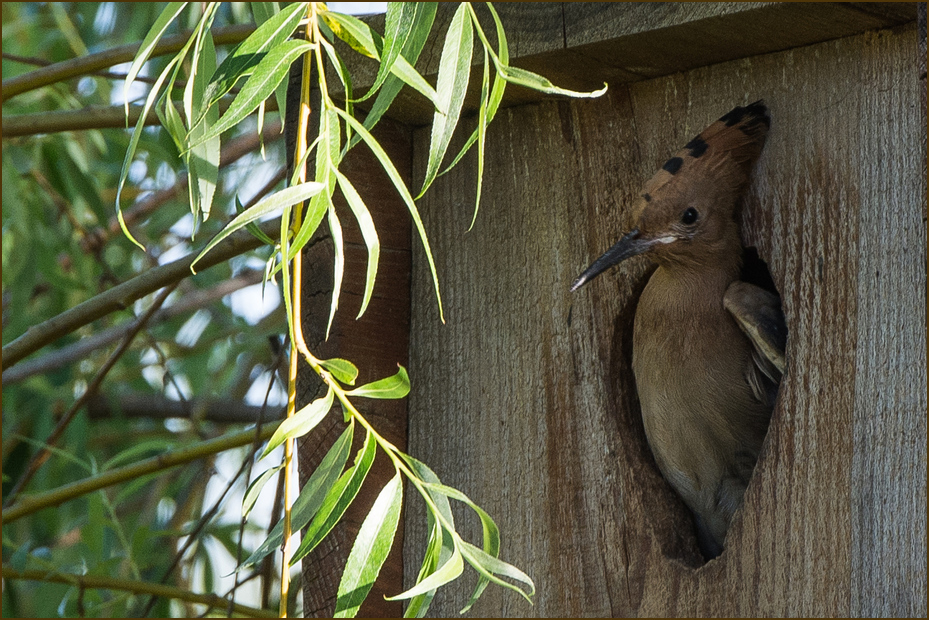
(630, 245)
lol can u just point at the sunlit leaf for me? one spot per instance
(447, 572)
(362, 39)
(243, 60)
(528, 79)
(264, 79)
(368, 232)
(451, 87)
(489, 567)
(338, 265)
(422, 26)
(203, 159)
(343, 370)
(271, 204)
(397, 180)
(338, 500)
(397, 25)
(372, 545)
(396, 386)
(440, 548)
(168, 15)
(311, 496)
(301, 423)
(254, 490)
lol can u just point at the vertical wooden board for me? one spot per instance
(525, 399)
(889, 459)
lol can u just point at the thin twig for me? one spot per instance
(42, 455)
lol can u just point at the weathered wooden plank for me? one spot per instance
(525, 399)
(582, 44)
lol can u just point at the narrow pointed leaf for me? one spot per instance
(134, 143)
(311, 496)
(490, 567)
(254, 490)
(264, 80)
(368, 232)
(272, 30)
(401, 188)
(422, 26)
(398, 22)
(451, 87)
(372, 545)
(396, 386)
(168, 15)
(441, 547)
(528, 79)
(343, 370)
(300, 423)
(447, 572)
(426, 474)
(362, 39)
(338, 266)
(338, 500)
(203, 159)
(271, 204)
(496, 94)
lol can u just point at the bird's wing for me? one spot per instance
(758, 313)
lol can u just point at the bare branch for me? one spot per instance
(119, 297)
(157, 407)
(64, 356)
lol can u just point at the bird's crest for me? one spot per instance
(727, 148)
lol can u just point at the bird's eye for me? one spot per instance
(689, 216)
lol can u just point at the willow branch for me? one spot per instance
(213, 601)
(77, 67)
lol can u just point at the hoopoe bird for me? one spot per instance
(708, 348)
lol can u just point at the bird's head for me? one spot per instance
(686, 213)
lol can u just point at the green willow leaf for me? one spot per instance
(338, 266)
(203, 159)
(343, 370)
(397, 25)
(451, 87)
(272, 30)
(449, 571)
(491, 533)
(168, 15)
(311, 496)
(362, 39)
(252, 227)
(301, 423)
(134, 142)
(368, 232)
(440, 548)
(422, 26)
(396, 386)
(372, 545)
(254, 490)
(264, 80)
(271, 204)
(397, 180)
(338, 500)
(489, 567)
(528, 79)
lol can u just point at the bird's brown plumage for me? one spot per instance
(706, 392)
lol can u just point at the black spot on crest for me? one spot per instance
(697, 146)
(673, 165)
(733, 116)
(647, 197)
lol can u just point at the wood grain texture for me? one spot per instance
(525, 399)
(579, 45)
